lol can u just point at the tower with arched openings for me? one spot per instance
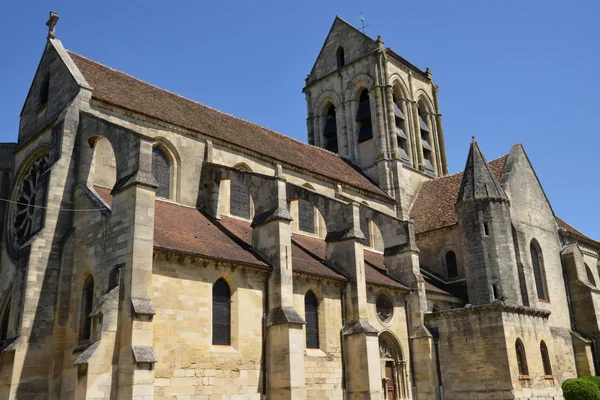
(387, 115)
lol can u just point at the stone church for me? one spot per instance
(156, 248)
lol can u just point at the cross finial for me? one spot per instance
(51, 24)
(362, 22)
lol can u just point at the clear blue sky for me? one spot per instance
(509, 71)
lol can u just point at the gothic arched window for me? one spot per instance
(221, 313)
(87, 302)
(363, 117)
(451, 265)
(311, 311)
(545, 358)
(306, 216)
(161, 170)
(239, 199)
(590, 275)
(4, 323)
(521, 358)
(330, 131)
(341, 60)
(538, 270)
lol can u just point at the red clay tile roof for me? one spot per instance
(376, 261)
(302, 261)
(187, 230)
(570, 229)
(122, 90)
(434, 205)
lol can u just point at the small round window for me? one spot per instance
(385, 308)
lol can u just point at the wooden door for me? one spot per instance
(390, 382)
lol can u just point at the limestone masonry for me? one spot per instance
(155, 248)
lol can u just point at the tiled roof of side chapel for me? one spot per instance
(186, 230)
(433, 207)
(124, 91)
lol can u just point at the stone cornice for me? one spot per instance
(497, 306)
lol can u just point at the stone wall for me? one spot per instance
(434, 245)
(478, 356)
(188, 364)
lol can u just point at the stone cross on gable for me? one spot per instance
(51, 24)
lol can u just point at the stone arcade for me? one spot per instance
(155, 248)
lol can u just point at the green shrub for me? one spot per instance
(594, 379)
(580, 389)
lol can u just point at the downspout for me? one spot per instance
(570, 306)
(343, 308)
(264, 338)
(410, 352)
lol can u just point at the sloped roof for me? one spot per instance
(573, 231)
(127, 92)
(190, 231)
(373, 275)
(478, 181)
(433, 207)
(187, 230)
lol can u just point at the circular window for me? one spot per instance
(27, 203)
(385, 308)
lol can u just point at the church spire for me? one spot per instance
(478, 180)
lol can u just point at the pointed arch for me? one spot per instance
(537, 262)
(87, 303)
(545, 358)
(340, 57)
(161, 170)
(424, 109)
(590, 275)
(221, 313)
(103, 169)
(330, 132)
(311, 315)
(521, 358)
(392, 362)
(451, 265)
(400, 119)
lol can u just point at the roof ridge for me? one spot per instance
(203, 105)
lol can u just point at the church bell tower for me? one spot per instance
(376, 110)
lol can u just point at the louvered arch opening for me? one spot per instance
(363, 117)
(330, 131)
(221, 313)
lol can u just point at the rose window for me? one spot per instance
(26, 203)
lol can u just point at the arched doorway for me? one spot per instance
(393, 367)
